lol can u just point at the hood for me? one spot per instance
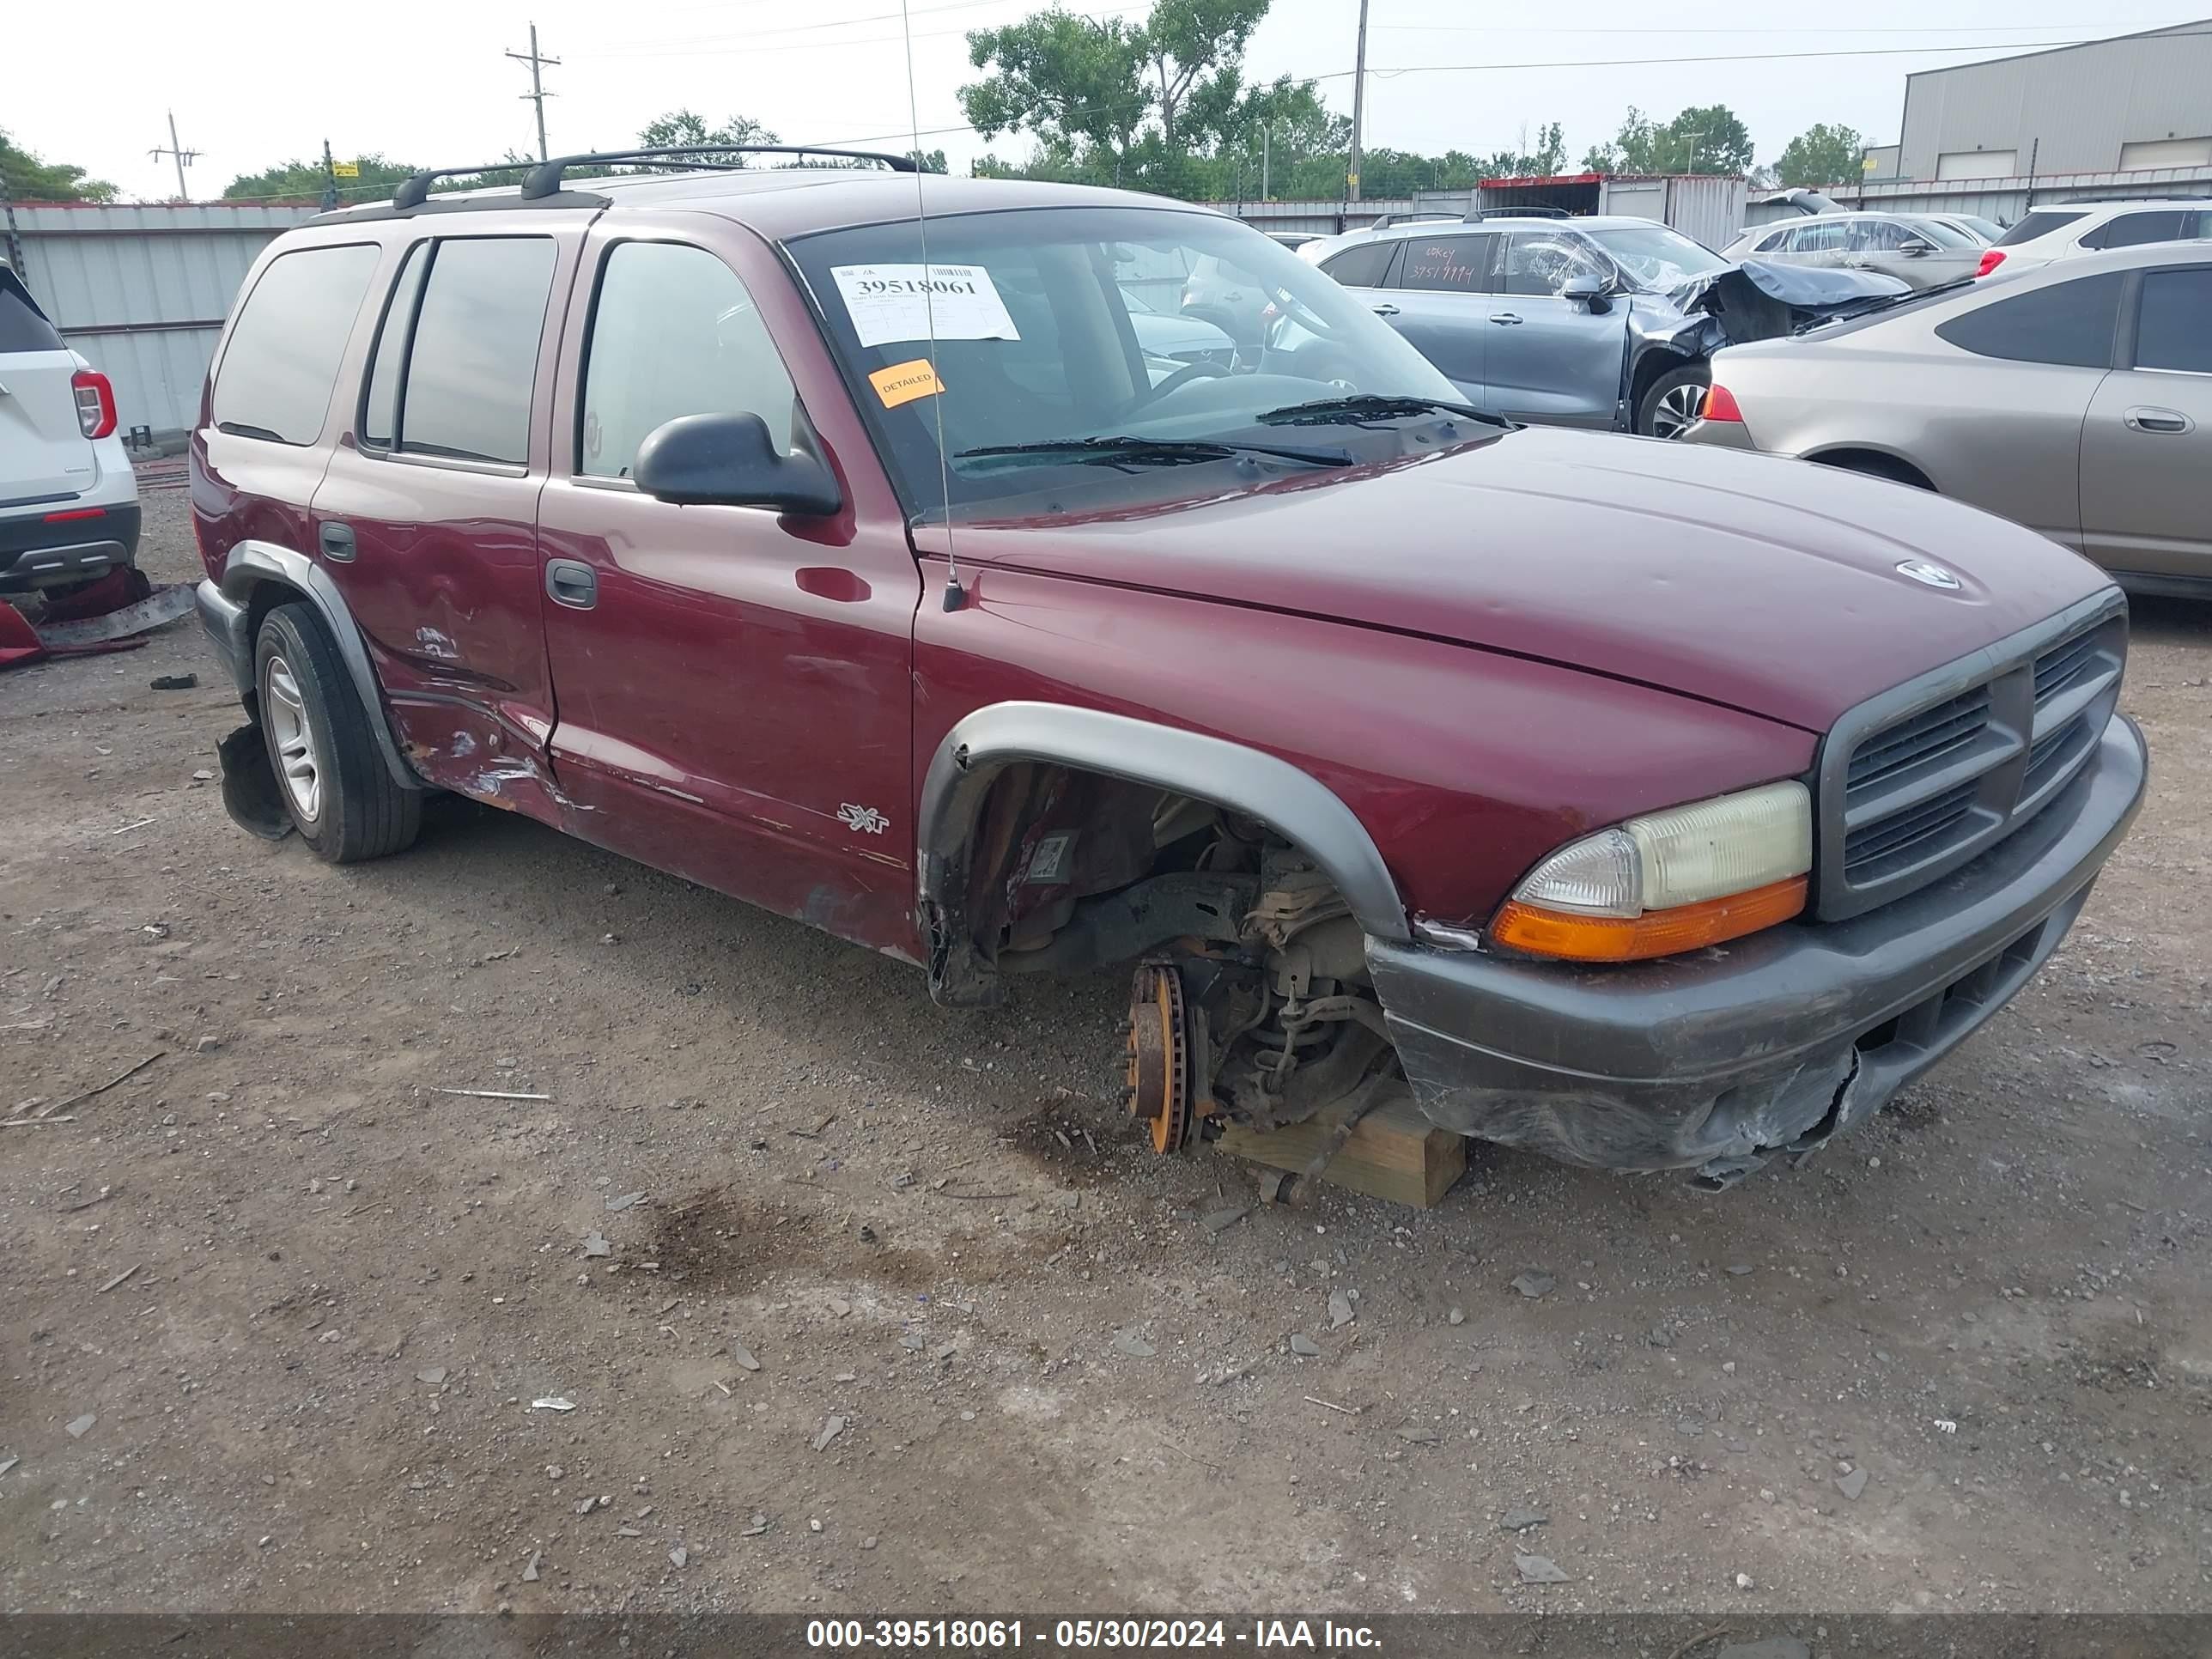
(1769, 586)
(1764, 300)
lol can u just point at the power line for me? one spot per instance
(537, 94)
(184, 158)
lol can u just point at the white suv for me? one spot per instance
(68, 501)
(2063, 229)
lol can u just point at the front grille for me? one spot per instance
(1919, 781)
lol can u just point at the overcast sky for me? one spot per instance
(254, 82)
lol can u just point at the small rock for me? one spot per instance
(1421, 1434)
(869, 1542)
(7, 1463)
(554, 1471)
(202, 775)
(80, 1426)
(1220, 1221)
(1853, 1484)
(1743, 1582)
(839, 1306)
(679, 1556)
(1728, 1368)
(207, 1045)
(1340, 1309)
(1533, 1285)
(1520, 1519)
(627, 1531)
(1660, 1337)
(1456, 1317)
(831, 1428)
(595, 1244)
(553, 1403)
(622, 1201)
(1303, 1344)
(743, 1356)
(1738, 1269)
(1539, 1570)
(530, 1567)
(1130, 1346)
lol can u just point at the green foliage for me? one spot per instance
(30, 179)
(680, 127)
(303, 181)
(1708, 139)
(1822, 155)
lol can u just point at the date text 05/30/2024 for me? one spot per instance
(1083, 1635)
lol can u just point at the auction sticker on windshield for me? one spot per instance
(912, 302)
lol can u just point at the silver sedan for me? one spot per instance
(2076, 400)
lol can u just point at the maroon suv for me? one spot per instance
(929, 579)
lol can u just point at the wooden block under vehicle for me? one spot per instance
(1394, 1152)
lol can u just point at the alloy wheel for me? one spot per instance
(292, 739)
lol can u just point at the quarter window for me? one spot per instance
(471, 360)
(674, 332)
(380, 408)
(1364, 267)
(282, 360)
(2173, 329)
(2067, 323)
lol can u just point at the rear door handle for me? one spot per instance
(336, 541)
(1386, 309)
(2144, 419)
(570, 583)
(1505, 317)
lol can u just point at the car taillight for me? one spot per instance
(1720, 404)
(1992, 258)
(96, 403)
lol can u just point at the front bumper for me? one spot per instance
(38, 553)
(1774, 1043)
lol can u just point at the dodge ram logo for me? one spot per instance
(1929, 574)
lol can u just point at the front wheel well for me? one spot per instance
(1876, 463)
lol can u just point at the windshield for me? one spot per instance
(1654, 256)
(1036, 344)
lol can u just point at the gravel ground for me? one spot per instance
(892, 1311)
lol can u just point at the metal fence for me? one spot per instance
(143, 291)
(2006, 200)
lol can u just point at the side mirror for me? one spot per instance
(1918, 250)
(728, 460)
(1591, 290)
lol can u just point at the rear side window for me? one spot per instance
(2038, 224)
(23, 326)
(472, 359)
(282, 360)
(1447, 264)
(2133, 229)
(2067, 323)
(2173, 329)
(1364, 267)
(1817, 237)
(674, 332)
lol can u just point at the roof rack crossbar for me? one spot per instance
(416, 190)
(544, 178)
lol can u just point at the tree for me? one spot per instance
(1710, 139)
(1549, 156)
(30, 179)
(682, 127)
(1822, 155)
(1193, 52)
(303, 181)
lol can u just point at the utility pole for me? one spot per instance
(537, 94)
(330, 179)
(1358, 106)
(185, 158)
(1264, 132)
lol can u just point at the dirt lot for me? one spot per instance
(828, 1205)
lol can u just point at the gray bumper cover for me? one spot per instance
(1714, 1062)
(225, 621)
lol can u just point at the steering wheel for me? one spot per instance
(1182, 377)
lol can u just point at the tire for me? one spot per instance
(322, 749)
(1670, 403)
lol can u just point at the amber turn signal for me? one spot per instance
(1543, 933)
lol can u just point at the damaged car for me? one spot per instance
(1592, 798)
(1592, 322)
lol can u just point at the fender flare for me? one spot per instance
(1232, 776)
(253, 563)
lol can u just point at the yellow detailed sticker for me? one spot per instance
(346, 170)
(901, 383)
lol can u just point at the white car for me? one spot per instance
(68, 501)
(2065, 230)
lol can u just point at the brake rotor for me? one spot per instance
(1159, 1046)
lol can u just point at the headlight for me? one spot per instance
(1668, 881)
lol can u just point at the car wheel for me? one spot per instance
(1671, 402)
(333, 781)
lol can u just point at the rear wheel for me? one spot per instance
(1671, 402)
(333, 781)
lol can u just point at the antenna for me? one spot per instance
(954, 595)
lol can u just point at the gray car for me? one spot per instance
(2075, 400)
(1593, 322)
(1924, 249)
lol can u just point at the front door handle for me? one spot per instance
(1505, 317)
(571, 583)
(1386, 309)
(2145, 419)
(336, 541)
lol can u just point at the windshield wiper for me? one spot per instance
(1155, 452)
(1882, 302)
(1366, 405)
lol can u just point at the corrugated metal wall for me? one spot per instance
(2005, 199)
(2071, 108)
(1319, 218)
(143, 291)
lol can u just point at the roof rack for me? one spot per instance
(544, 179)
